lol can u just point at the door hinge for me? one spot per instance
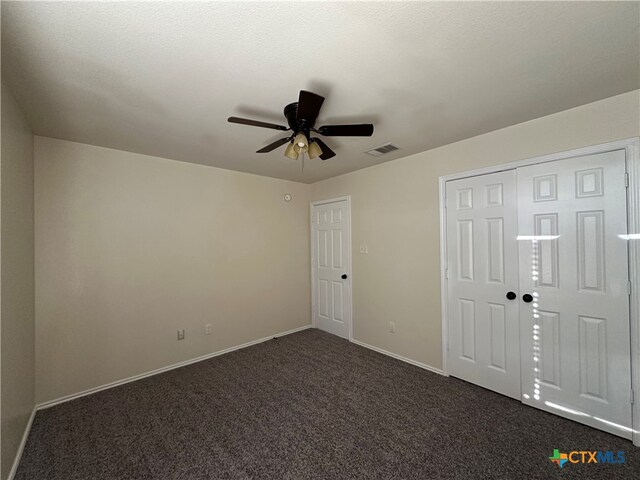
(446, 273)
(629, 287)
(626, 180)
(633, 397)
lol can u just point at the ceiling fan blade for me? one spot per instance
(274, 145)
(255, 123)
(327, 153)
(309, 106)
(358, 130)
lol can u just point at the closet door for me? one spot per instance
(482, 268)
(574, 303)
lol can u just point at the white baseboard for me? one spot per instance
(84, 393)
(399, 357)
(23, 442)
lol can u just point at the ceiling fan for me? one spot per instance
(301, 117)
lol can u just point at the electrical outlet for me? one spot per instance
(181, 334)
(392, 327)
(208, 329)
(363, 248)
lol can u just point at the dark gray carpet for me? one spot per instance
(307, 406)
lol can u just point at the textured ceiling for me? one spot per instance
(161, 78)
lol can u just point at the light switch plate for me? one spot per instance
(363, 248)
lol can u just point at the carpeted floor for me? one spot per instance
(307, 406)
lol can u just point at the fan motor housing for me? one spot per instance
(297, 125)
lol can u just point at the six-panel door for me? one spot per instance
(574, 263)
(331, 250)
(482, 261)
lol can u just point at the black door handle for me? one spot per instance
(344, 276)
(527, 298)
(511, 295)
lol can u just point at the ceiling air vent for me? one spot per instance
(386, 148)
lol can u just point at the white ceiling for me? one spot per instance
(162, 78)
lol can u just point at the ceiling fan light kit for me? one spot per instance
(301, 117)
(314, 150)
(301, 144)
(290, 152)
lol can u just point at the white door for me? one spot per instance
(331, 250)
(575, 328)
(482, 270)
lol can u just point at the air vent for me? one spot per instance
(386, 148)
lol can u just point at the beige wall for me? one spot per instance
(129, 248)
(16, 280)
(395, 212)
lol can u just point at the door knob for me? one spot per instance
(527, 298)
(344, 276)
(511, 295)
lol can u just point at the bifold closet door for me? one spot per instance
(482, 277)
(575, 340)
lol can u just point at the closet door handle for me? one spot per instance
(511, 295)
(527, 298)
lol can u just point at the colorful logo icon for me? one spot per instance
(559, 458)
(586, 456)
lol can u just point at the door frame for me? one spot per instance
(632, 157)
(346, 198)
